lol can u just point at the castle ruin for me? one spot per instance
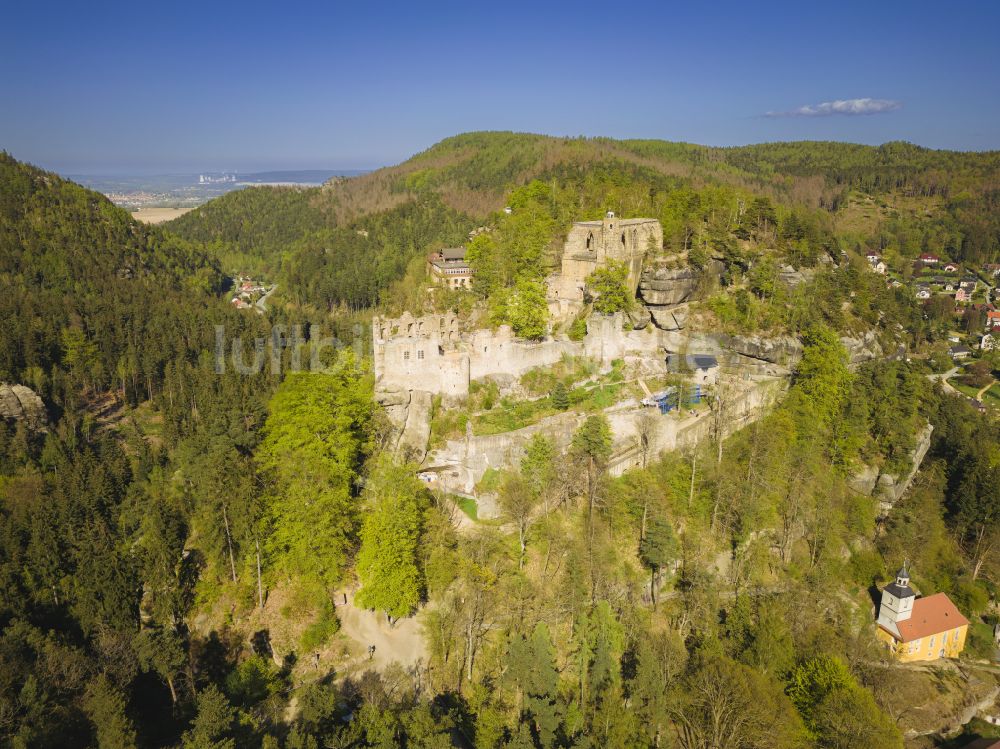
(434, 355)
(591, 244)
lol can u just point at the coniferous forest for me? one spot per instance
(178, 544)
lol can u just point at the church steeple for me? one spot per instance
(903, 576)
(897, 601)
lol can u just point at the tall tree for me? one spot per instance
(391, 580)
(315, 439)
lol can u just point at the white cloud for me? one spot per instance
(849, 107)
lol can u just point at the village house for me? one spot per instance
(950, 268)
(447, 267)
(960, 351)
(923, 292)
(988, 342)
(875, 262)
(963, 295)
(993, 319)
(992, 268)
(928, 259)
(919, 629)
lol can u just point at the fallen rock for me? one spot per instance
(667, 319)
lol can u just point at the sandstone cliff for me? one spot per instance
(20, 403)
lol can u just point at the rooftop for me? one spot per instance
(931, 615)
(693, 361)
(453, 253)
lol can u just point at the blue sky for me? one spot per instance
(170, 87)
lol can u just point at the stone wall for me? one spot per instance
(432, 354)
(420, 353)
(461, 463)
(591, 244)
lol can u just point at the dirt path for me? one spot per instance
(402, 643)
(979, 395)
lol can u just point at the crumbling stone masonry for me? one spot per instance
(590, 244)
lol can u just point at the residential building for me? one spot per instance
(992, 319)
(923, 292)
(963, 295)
(960, 351)
(875, 262)
(950, 268)
(988, 342)
(928, 259)
(448, 268)
(919, 629)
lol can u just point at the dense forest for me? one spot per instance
(176, 545)
(700, 194)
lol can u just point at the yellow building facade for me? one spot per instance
(919, 629)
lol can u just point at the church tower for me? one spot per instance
(897, 601)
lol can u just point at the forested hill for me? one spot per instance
(93, 298)
(462, 180)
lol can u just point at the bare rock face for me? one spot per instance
(792, 277)
(639, 317)
(779, 350)
(412, 443)
(669, 286)
(667, 319)
(409, 413)
(889, 488)
(863, 349)
(20, 403)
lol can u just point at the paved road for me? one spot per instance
(262, 302)
(944, 380)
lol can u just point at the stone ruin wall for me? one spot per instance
(420, 353)
(461, 463)
(590, 244)
(432, 354)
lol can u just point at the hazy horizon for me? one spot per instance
(134, 89)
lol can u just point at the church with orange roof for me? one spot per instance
(919, 629)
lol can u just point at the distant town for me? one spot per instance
(186, 191)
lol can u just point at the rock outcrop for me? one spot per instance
(667, 319)
(792, 277)
(639, 317)
(784, 350)
(22, 404)
(409, 413)
(863, 349)
(665, 287)
(889, 488)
